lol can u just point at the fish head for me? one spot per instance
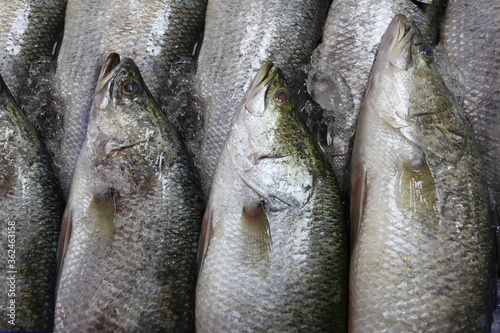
(122, 102)
(407, 91)
(270, 144)
(266, 106)
(124, 124)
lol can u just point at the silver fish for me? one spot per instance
(153, 33)
(471, 43)
(127, 250)
(341, 64)
(422, 244)
(28, 31)
(273, 252)
(31, 209)
(240, 36)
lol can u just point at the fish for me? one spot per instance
(341, 64)
(127, 251)
(31, 208)
(470, 66)
(422, 245)
(28, 30)
(153, 33)
(273, 252)
(239, 37)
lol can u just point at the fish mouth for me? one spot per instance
(254, 100)
(396, 43)
(106, 74)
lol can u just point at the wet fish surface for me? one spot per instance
(341, 65)
(273, 251)
(28, 31)
(470, 42)
(239, 37)
(153, 33)
(131, 226)
(31, 209)
(422, 245)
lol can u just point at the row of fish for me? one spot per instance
(273, 243)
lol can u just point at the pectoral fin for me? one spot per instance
(417, 191)
(257, 242)
(101, 212)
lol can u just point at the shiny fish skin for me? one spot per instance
(470, 40)
(341, 64)
(153, 33)
(239, 37)
(31, 204)
(273, 250)
(422, 252)
(133, 218)
(28, 31)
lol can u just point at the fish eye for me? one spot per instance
(282, 97)
(427, 52)
(131, 87)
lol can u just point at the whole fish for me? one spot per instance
(341, 64)
(153, 33)
(239, 37)
(28, 30)
(422, 245)
(470, 41)
(127, 250)
(31, 209)
(273, 251)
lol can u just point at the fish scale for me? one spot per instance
(472, 48)
(341, 64)
(422, 244)
(31, 204)
(128, 253)
(273, 252)
(153, 33)
(239, 37)
(28, 31)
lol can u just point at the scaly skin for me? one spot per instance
(422, 250)
(28, 31)
(31, 209)
(274, 249)
(470, 40)
(153, 33)
(341, 65)
(132, 219)
(239, 37)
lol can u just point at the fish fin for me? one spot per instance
(64, 237)
(257, 242)
(358, 197)
(207, 232)
(101, 211)
(416, 190)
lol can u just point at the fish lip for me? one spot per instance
(259, 86)
(107, 70)
(265, 74)
(401, 31)
(398, 34)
